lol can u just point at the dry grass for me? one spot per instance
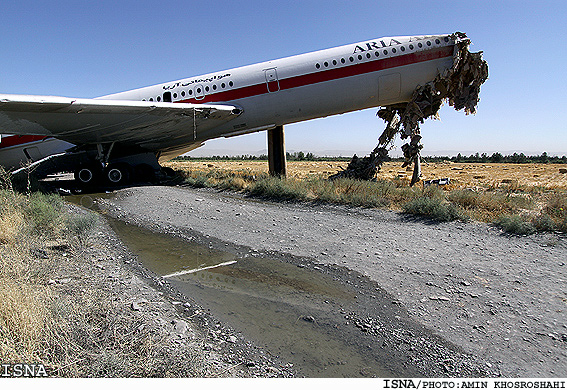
(25, 299)
(76, 328)
(462, 175)
(24, 320)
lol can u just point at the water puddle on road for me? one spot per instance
(291, 310)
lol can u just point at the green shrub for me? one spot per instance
(556, 209)
(44, 212)
(544, 223)
(515, 224)
(279, 189)
(197, 181)
(467, 199)
(434, 208)
(365, 200)
(81, 226)
(323, 190)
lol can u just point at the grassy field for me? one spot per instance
(520, 198)
(462, 175)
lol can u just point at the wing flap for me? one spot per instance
(152, 125)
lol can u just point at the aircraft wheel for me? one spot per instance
(86, 174)
(117, 174)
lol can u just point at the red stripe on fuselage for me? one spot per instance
(327, 75)
(15, 140)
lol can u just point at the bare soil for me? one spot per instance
(498, 299)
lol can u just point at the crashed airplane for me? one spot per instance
(116, 138)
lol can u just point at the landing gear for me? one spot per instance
(117, 174)
(112, 165)
(113, 174)
(88, 174)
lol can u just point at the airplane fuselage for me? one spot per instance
(308, 86)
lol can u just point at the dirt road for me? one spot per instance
(502, 299)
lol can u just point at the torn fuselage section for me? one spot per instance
(458, 85)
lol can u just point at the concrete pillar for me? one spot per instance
(276, 152)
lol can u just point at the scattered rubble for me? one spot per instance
(459, 86)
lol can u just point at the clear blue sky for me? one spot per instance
(92, 48)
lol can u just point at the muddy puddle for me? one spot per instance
(291, 309)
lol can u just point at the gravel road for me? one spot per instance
(501, 298)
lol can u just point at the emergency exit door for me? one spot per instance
(272, 80)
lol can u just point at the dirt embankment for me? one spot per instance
(500, 298)
(168, 336)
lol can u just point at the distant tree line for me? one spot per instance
(516, 158)
(295, 156)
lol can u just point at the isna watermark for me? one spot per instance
(22, 370)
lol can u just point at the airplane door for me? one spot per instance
(199, 92)
(272, 80)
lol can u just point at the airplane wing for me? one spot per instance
(154, 126)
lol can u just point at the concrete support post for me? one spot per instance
(276, 152)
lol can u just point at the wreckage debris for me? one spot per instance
(458, 85)
(364, 168)
(440, 182)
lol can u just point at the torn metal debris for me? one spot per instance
(458, 85)
(440, 182)
(364, 168)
